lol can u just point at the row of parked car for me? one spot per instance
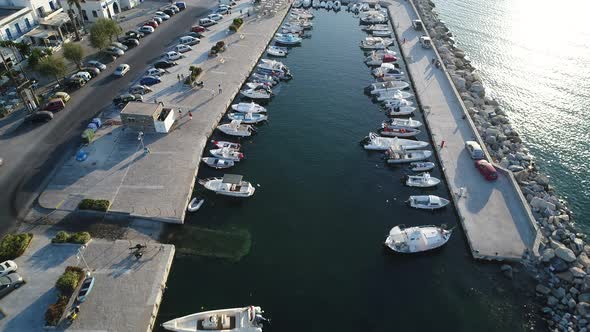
(9, 279)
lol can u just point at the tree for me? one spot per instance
(36, 55)
(98, 37)
(74, 53)
(52, 66)
(75, 3)
(106, 28)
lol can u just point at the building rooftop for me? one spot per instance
(139, 108)
(7, 11)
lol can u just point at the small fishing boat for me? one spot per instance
(378, 143)
(399, 132)
(248, 108)
(274, 68)
(375, 43)
(375, 27)
(423, 180)
(376, 59)
(416, 239)
(257, 85)
(421, 166)
(373, 17)
(336, 5)
(236, 128)
(380, 87)
(401, 111)
(247, 319)
(323, 4)
(381, 33)
(248, 118)
(392, 94)
(263, 78)
(229, 185)
(315, 4)
(226, 144)
(260, 93)
(277, 51)
(227, 153)
(392, 103)
(195, 205)
(407, 123)
(287, 39)
(218, 163)
(388, 70)
(398, 155)
(427, 202)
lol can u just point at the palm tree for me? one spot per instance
(75, 3)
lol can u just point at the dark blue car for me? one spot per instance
(150, 80)
(181, 5)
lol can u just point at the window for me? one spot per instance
(27, 23)
(94, 14)
(84, 15)
(8, 33)
(52, 5)
(18, 30)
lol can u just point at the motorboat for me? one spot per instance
(375, 27)
(401, 111)
(302, 14)
(379, 87)
(373, 17)
(306, 3)
(381, 33)
(421, 166)
(287, 39)
(248, 118)
(376, 43)
(229, 185)
(427, 202)
(329, 4)
(355, 8)
(392, 94)
(227, 153)
(194, 205)
(398, 155)
(292, 27)
(236, 128)
(336, 5)
(364, 7)
(323, 4)
(406, 123)
(277, 51)
(260, 93)
(388, 70)
(417, 239)
(305, 24)
(423, 180)
(248, 108)
(247, 319)
(315, 4)
(375, 59)
(226, 144)
(218, 163)
(275, 68)
(263, 78)
(378, 143)
(258, 85)
(397, 103)
(399, 132)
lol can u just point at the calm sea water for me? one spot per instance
(321, 213)
(534, 57)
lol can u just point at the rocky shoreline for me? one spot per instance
(563, 270)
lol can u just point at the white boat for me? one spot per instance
(287, 39)
(336, 5)
(257, 85)
(379, 87)
(218, 163)
(392, 94)
(248, 108)
(375, 59)
(248, 118)
(277, 51)
(416, 239)
(381, 33)
(302, 14)
(195, 205)
(227, 153)
(315, 3)
(373, 17)
(229, 185)
(273, 66)
(226, 144)
(256, 93)
(401, 111)
(397, 103)
(263, 78)
(329, 4)
(376, 43)
(247, 319)
(378, 143)
(306, 3)
(427, 202)
(396, 155)
(388, 70)
(423, 180)
(323, 4)
(292, 27)
(375, 27)
(407, 123)
(236, 128)
(421, 166)
(399, 132)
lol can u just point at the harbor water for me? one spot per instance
(322, 209)
(533, 57)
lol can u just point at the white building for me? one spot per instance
(40, 8)
(15, 22)
(95, 9)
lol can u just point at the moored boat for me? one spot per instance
(423, 180)
(427, 202)
(229, 185)
(195, 205)
(227, 154)
(397, 155)
(248, 118)
(421, 166)
(391, 103)
(226, 144)
(217, 163)
(375, 27)
(416, 239)
(260, 93)
(287, 39)
(379, 87)
(399, 132)
(236, 128)
(378, 143)
(336, 5)
(401, 111)
(407, 123)
(248, 108)
(381, 33)
(247, 319)
(277, 51)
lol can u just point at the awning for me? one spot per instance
(56, 20)
(232, 179)
(41, 33)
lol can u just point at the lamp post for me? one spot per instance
(80, 256)
(140, 139)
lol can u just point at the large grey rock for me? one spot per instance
(578, 273)
(548, 254)
(584, 297)
(584, 260)
(558, 292)
(565, 253)
(552, 301)
(583, 309)
(566, 276)
(542, 289)
(541, 204)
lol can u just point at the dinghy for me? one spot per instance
(226, 144)
(376, 59)
(399, 132)
(195, 205)
(329, 4)
(388, 70)
(401, 111)
(287, 39)
(416, 239)
(248, 108)
(392, 103)
(256, 85)
(315, 4)
(322, 4)
(423, 180)
(376, 43)
(229, 185)
(392, 94)
(227, 153)
(277, 51)
(375, 27)
(427, 202)
(397, 155)
(379, 87)
(336, 5)
(421, 166)
(263, 78)
(407, 123)
(381, 33)
(373, 17)
(247, 319)
(218, 163)
(378, 143)
(259, 93)
(236, 128)
(248, 118)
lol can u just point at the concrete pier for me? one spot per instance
(495, 216)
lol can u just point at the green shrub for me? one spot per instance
(94, 204)
(75, 269)
(238, 21)
(56, 310)
(220, 44)
(233, 28)
(14, 245)
(68, 282)
(61, 237)
(65, 237)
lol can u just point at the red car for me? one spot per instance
(198, 28)
(152, 23)
(487, 170)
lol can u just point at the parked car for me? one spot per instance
(189, 40)
(163, 64)
(86, 288)
(215, 17)
(83, 75)
(207, 22)
(134, 34)
(61, 95)
(198, 28)
(10, 282)
(7, 267)
(181, 48)
(162, 15)
(154, 72)
(54, 105)
(122, 100)
(146, 29)
(175, 9)
(130, 42)
(171, 56)
(169, 12)
(222, 10)
(150, 80)
(151, 23)
(93, 71)
(119, 46)
(194, 35)
(114, 51)
(181, 5)
(139, 90)
(158, 19)
(74, 82)
(96, 64)
(41, 116)
(487, 170)
(474, 149)
(121, 70)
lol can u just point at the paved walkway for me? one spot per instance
(159, 185)
(496, 221)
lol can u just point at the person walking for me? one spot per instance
(180, 113)
(178, 77)
(190, 115)
(220, 90)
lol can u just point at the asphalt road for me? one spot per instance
(32, 152)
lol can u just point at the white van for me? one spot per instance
(188, 40)
(206, 22)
